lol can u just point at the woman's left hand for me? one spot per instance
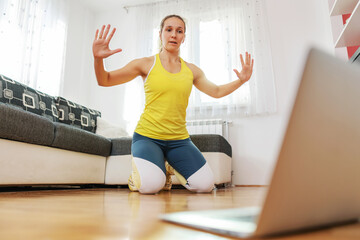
(247, 68)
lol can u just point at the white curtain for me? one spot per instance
(217, 32)
(32, 42)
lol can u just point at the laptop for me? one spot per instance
(316, 180)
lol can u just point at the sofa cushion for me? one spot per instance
(77, 115)
(29, 99)
(204, 142)
(121, 146)
(72, 138)
(17, 124)
(211, 143)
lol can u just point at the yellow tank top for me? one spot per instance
(166, 99)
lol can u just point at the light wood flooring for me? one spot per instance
(117, 213)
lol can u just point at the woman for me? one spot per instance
(161, 131)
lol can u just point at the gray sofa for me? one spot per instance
(46, 140)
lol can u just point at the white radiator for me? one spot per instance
(209, 126)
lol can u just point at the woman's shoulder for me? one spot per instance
(145, 60)
(192, 66)
(195, 69)
(144, 64)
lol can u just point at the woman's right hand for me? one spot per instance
(101, 43)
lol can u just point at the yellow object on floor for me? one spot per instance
(134, 181)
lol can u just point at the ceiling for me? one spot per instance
(105, 5)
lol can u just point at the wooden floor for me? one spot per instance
(117, 213)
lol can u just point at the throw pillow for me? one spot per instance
(77, 115)
(109, 130)
(27, 98)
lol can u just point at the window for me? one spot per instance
(217, 32)
(213, 60)
(33, 38)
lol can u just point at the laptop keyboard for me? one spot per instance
(240, 218)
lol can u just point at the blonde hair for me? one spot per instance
(163, 23)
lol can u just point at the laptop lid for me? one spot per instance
(316, 181)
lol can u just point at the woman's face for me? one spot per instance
(173, 34)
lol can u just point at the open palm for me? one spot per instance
(247, 67)
(101, 43)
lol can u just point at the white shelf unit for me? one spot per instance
(343, 7)
(350, 34)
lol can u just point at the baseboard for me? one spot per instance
(251, 185)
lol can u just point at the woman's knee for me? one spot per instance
(205, 186)
(153, 184)
(152, 178)
(201, 181)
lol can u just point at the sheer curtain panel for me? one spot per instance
(217, 32)
(32, 42)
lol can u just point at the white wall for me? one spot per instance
(294, 26)
(80, 83)
(110, 100)
(78, 63)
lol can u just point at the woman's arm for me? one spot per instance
(101, 51)
(125, 74)
(213, 90)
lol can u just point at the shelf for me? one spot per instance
(350, 36)
(341, 7)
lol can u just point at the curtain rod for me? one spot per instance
(147, 4)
